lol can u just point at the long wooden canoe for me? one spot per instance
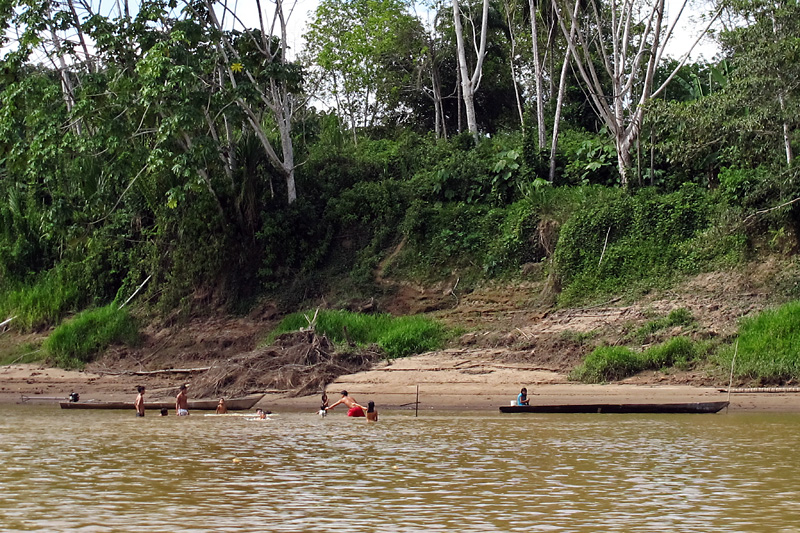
(692, 407)
(234, 404)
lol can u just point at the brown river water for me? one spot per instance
(104, 471)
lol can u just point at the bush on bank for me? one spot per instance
(613, 363)
(75, 342)
(768, 346)
(397, 336)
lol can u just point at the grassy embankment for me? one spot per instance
(396, 336)
(588, 243)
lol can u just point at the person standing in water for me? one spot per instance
(139, 402)
(222, 409)
(372, 413)
(355, 409)
(182, 402)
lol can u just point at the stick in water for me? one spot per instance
(733, 362)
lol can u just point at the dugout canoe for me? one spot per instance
(690, 407)
(234, 404)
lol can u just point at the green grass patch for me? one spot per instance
(612, 363)
(397, 336)
(41, 304)
(607, 363)
(20, 354)
(676, 317)
(76, 342)
(769, 346)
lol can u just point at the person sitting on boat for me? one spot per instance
(355, 408)
(222, 409)
(139, 402)
(182, 402)
(372, 413)
(522, 397)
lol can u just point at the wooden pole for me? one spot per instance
(733, 362)
(416, 404)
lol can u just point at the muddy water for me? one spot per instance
(109, 471)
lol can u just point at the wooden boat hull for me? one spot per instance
(234, 404)
(692, 407)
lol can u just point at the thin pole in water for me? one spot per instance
(416, 404)
(733, 362)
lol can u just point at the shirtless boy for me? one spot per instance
(355, 408)
(182, 402)
(139, 402)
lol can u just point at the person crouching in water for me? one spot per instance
(372, 413)
(355, 408)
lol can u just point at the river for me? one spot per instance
(104, 471)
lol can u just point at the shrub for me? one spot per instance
(42, 303)
(678, 351)
(676, 317)
(611, 363)
(610, 246)
(768, 346)
(76, 342)
(607, 363)
(398, 337)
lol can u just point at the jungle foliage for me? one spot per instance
(162, 145)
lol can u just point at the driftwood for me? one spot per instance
(153, 372)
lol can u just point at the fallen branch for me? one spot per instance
(763, 211)
(604, 247)
(152, 372)
(135, 292)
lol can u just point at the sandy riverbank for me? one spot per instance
(451, 380)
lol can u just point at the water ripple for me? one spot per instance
(109, 471)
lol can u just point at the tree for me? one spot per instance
(629, 40)
(357, 47)
(470, 81)
(766, 53)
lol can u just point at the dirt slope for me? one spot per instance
(510, 337)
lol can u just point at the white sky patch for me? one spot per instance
(692, 22)
(298, 14)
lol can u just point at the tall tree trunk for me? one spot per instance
(511, 63)
(562, 87)
(538, 76)
(469, 84)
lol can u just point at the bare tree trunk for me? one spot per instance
(469, 84)
(538, 76)
(278, 99)
(81, 37)
(787, 134)
(511, 63)
(636, 47)
(562, 87)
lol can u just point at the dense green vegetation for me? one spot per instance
(767, 346)
(396, 336)
(164, 144)
(610, 363)
(75, 342)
